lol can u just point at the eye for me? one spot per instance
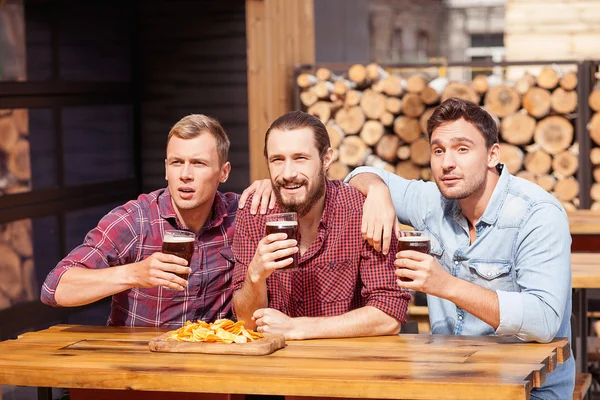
(438, 151)
(175, 162)
(463, 149)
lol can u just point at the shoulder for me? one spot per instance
(529, 203)
(231, 201)
(347, 197)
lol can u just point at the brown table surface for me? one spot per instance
(585, 270)
(584, 222)
(400, 367)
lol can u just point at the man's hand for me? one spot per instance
(269, 320)
(379, 218)
(159, 270)
(263, 196)
(274, 251)
(420, 271)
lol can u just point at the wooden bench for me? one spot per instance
(582, 385)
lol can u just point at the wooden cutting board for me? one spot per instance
(259, 347)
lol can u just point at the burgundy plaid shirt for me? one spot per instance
(338, 273)
(131, 233)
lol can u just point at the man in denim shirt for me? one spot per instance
(500, 245)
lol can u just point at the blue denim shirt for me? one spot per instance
(522, 252)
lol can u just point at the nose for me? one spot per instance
(289, 171)
(186, 172)
(448, 162)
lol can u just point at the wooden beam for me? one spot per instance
(279, 34)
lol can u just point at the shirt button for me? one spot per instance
(455, 262)
(489, 274)
(460, 318)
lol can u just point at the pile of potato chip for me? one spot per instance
(220, 331)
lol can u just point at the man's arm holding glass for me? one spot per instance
(100, 267)
(542, 263)
(274, 252)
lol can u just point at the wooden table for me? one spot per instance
(585, 274)
(394, 367)
(584, 222)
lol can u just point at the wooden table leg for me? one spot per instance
(44, 393)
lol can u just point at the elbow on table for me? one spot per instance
(545, 333)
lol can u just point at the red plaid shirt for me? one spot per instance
(131, 233)
(338, 273)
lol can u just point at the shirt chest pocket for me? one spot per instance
(492, 274)
(335, 281)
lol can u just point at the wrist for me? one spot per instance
(255, 274)
(299, 328)
(126, 275)
(376, 186)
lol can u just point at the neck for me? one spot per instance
(194, 219)
(474, 206)
(310, 222)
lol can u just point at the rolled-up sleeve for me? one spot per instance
(412, 198)
(112, 242)
(543, 273)
(380, 288)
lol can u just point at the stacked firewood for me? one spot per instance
(15, 170)
(380, 119)
(18, 281)
(17, 274)
(594, 129)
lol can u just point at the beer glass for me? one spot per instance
(180, 244)
(284, 223)
(414, 240)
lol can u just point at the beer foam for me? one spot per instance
(178, 239)
(281, 224)
(413, 239)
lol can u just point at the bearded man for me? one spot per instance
(342, 286)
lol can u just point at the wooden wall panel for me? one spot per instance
(280, 34)
(193, 60)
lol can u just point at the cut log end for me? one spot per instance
(548, 78)
(502, 100)
(517, 128)
(554, 134)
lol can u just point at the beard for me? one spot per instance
(474, 186)
(301, 207)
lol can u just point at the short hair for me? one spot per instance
(300, 120)
(454, 109)
(194, 125)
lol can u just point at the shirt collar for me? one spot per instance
(218, 214)
(492, 211)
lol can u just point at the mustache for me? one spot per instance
(286, 182)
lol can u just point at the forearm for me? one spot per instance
(365, 321)
(81, 286)
(366, 182)
(251, 297)
(474, 299)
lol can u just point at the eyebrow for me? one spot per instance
(293, 155)
(460, 139)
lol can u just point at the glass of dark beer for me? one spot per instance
(284, 223)
(414, 240)
(181, 244)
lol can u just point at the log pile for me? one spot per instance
(18, 281)
(594, 130)
(379, 118)
(17, 275)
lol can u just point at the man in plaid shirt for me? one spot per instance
(122, 256)
(343, 287)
